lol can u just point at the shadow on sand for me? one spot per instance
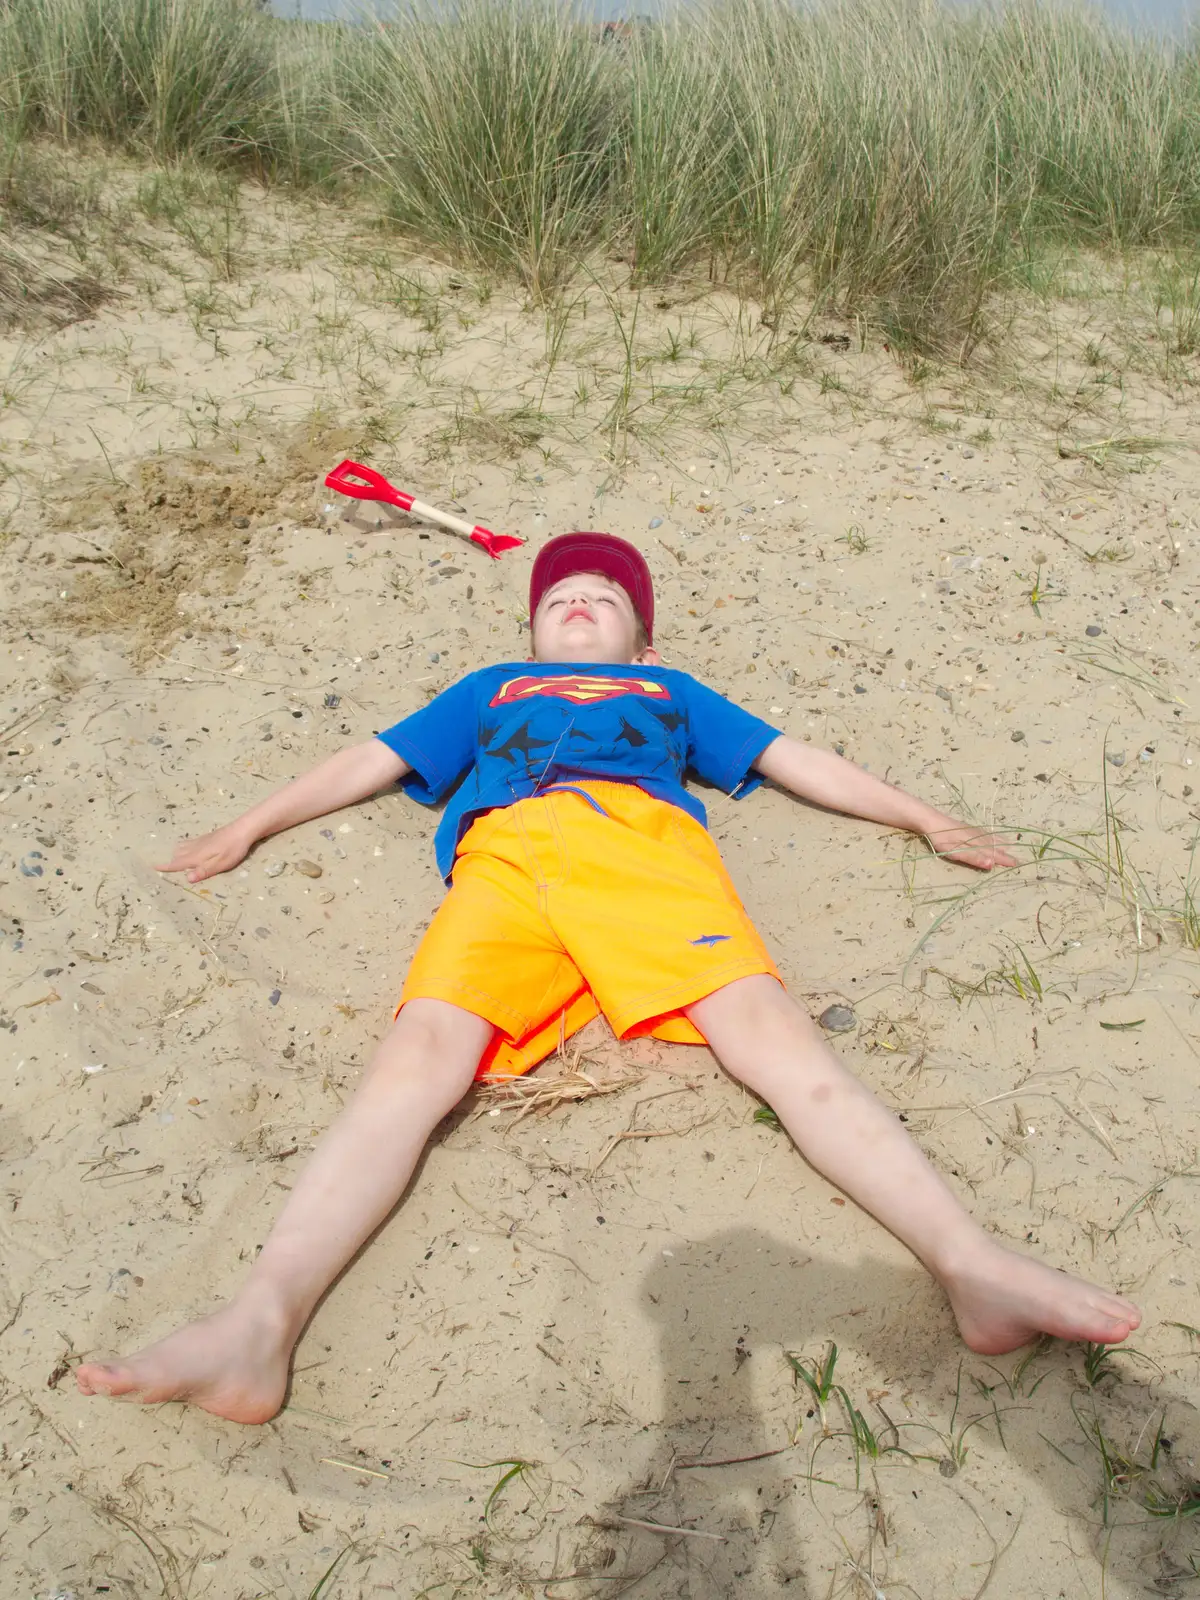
(795, 1524)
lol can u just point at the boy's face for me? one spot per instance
(588, 617)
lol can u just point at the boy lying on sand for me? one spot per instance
(583, 880)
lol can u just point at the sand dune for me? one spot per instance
(914, 573)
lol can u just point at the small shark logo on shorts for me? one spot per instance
(710, 939)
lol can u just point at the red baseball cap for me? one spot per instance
(615, 558)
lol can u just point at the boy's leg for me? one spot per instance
(235, 1362)
(1001, 1299)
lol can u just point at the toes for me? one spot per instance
(1116, 1326)
(97, 1379)
(116, 1382)
(1121, 1315)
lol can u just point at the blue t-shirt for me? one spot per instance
(508, 732)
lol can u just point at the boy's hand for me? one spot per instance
(350, 775)
(970, 846)
(214, 853)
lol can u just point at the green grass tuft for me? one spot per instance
(899, 165)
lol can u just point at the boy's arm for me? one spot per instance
(350, 775)
(829, 780)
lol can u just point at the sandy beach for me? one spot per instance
(587, 1315)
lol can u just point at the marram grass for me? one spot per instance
(895, 158)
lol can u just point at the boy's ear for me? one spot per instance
(648, 658)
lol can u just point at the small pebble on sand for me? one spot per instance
(310, 869)
(1115, 758)
(274, 868)
(1092, 631)
(1016, 736)
(838, 1019)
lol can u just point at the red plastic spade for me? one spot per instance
(364, 483)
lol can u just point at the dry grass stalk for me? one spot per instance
(543, 1095)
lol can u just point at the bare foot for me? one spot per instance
(1003, 1300)
(234, 1364)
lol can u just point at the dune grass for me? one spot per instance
(891, 160)
(163, 77)
(492, 138)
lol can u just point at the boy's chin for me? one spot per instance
(596, 656)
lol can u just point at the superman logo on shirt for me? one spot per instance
(580, 690)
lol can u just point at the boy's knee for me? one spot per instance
(756, 1029)
(748, 1008)
(440, 1042)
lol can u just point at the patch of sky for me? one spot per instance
(1171, 17)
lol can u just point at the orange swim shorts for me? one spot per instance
(591, 897)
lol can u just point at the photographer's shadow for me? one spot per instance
(726, 1309)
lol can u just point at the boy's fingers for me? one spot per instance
(1000, 857)
(186, 863)
(988, 854)
(984, 857)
